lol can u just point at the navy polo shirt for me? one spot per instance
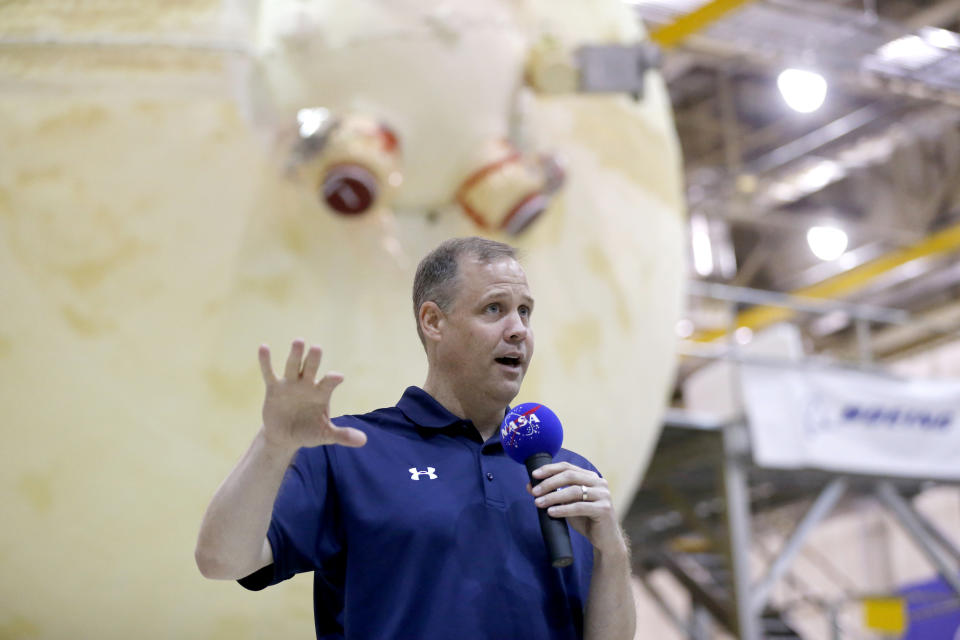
(426, 532)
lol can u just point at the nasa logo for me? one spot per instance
(524, 425)
(530, 421)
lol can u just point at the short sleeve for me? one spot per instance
(306, 531)
(577, 459)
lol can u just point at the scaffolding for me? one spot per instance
(688, 439)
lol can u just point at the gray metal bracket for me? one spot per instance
(615, 68)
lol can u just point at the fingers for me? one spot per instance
(592, 510)
(561, 493)
(292, 370)
(562, 474)
(266, 369)
(329, 382)
(573, 495)
(312, 363)
(568, 502)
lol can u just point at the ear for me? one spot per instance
(431, 320)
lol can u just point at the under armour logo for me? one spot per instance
(416, 473)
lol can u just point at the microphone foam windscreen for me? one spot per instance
(530, 428)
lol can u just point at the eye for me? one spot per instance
(493, 307)
(525, 311)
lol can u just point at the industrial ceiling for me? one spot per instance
(880, 159)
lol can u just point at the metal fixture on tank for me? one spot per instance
(510, 189)
(351, 161)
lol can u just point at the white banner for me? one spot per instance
(853, 422)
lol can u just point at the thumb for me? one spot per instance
(349, 437)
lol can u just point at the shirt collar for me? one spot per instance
(423, 410)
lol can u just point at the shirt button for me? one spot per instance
(489, 476)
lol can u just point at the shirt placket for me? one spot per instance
(490, 478)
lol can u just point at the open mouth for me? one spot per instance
(511, 361)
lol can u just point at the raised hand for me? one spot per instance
(296, 408)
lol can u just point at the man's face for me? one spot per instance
(487, 341)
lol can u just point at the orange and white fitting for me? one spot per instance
(353, 161)
(510, 190)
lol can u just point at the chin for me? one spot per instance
(509, 391)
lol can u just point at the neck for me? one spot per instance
(486, 415)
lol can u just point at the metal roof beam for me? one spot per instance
(938, 15)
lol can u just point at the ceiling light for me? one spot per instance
(819, 175)
(827, 243)
(702, 251)
(912, 51)
(684, 328)
(803, 91)
(940, 38)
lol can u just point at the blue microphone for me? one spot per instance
(531, 434)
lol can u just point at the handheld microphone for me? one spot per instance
(531, 434)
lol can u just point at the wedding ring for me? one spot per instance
(583, 488)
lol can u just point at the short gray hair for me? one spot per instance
(436, 276)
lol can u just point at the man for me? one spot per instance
(413, 520)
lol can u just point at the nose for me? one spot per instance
(516, 329)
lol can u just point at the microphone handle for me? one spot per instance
(555, 532)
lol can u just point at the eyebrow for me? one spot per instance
(493, 295)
